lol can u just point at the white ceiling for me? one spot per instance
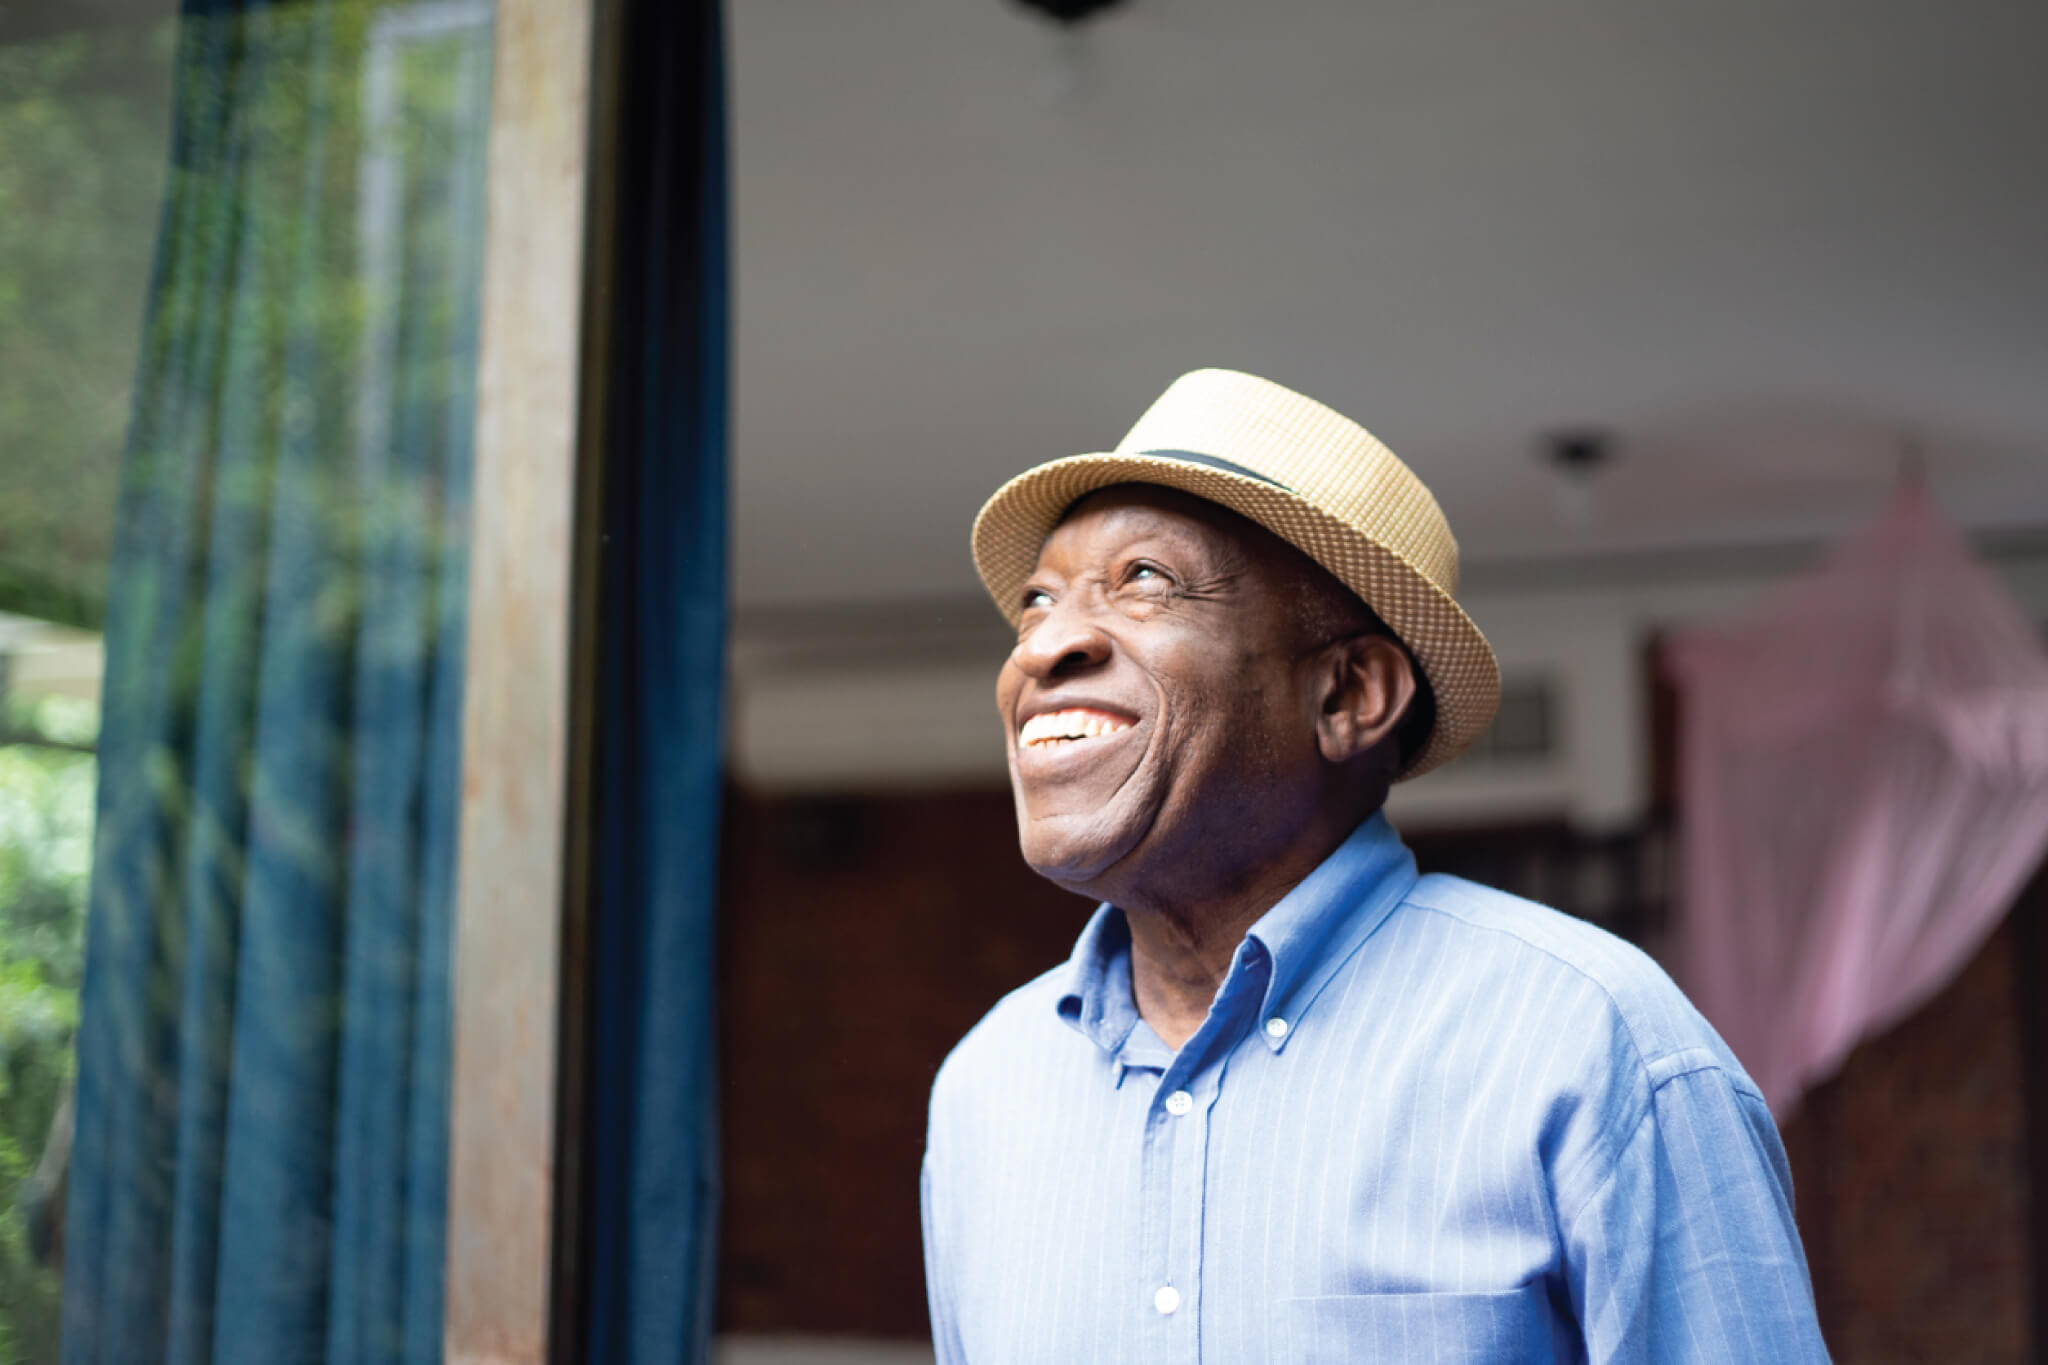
(1758, 240)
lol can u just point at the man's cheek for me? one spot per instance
(1006, 701)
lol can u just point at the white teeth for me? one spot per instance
(1076, 723)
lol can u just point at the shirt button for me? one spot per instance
(1276, 1027)
(1167, 1299)
(1179, 1102)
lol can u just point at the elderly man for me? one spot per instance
(1289, 1102)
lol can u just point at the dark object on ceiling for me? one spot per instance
(1069, 11)
(1578, 452)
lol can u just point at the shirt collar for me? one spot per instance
(1097, 1000)
(1315, 927)
(1304, 938)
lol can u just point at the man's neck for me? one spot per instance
(1181, 955)
(1188, 913)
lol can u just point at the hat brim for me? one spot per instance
(1460, 666)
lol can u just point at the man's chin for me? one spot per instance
(1073, 851)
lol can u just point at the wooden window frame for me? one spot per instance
(523, 868)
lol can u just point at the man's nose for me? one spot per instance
(1064, 641)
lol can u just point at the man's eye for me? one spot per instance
(1035, 598)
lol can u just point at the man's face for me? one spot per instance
(1159, 713)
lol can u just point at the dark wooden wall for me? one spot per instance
(1917, 1173)
(862, 936)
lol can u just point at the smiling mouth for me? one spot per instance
(1075, 725)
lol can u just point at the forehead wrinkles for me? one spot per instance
(1213, 545)
(1291, 590)
(1209, 541)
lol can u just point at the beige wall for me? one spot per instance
(908, 701)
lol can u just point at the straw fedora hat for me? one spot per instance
(1309, 475)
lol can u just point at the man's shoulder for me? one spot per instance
(1630, 992)
(1013, 1035)
(1539, 930)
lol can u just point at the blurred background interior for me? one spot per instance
(366, 363)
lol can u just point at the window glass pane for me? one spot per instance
(238, 305)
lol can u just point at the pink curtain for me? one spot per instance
(1865, 760)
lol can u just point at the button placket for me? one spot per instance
(1189, 1129)
(1157, 1191)
(1176, 1163)
(1175, 1154)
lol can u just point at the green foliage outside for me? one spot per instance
(46, 815)
(82, 162)
(342, 332)
(83, 136)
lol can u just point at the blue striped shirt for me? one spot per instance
(1423, 1121)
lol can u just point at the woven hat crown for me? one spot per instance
(1305, 472)
(1316, 451)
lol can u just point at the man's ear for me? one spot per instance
(1366, 686)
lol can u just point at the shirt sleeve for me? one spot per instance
(1685, 1249)
(945, 1335)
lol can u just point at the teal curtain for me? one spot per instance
(651, 1135)
(258, 1173)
